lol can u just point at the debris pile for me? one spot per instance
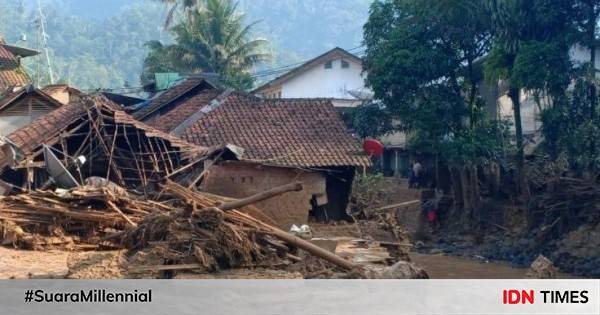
(181, 229)
(82, 215)
(88, 176)
(198, 236)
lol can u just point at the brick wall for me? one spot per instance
(238, 180)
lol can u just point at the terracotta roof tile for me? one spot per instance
(12, 77)
(11, 74)
(169, 121)
(169, 97)
(5, 54)
(288, 132)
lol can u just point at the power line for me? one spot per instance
(263, 73)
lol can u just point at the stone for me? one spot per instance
(542, 268)
(404, 270)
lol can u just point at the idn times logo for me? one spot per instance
(514, 296)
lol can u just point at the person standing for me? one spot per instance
(417, 171)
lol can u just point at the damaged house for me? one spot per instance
(283, 140)
(93, 137)
(22, 106)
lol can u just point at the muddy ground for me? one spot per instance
(500, 254)
(578, 253)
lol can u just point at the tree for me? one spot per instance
(213, 40)
(531, 41)
(422, 59)
(588, 13)
(186, 6)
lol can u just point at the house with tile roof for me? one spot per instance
(283, 140)
(336, 74)
(11, 73)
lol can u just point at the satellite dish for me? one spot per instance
(373, 147)
(61, 176)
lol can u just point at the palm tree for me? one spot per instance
(186, 6)
(213, 39)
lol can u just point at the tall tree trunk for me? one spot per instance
(514, 95)
(592, 74)
(592, 46)
(456, 187)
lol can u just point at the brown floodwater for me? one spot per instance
(440, 266)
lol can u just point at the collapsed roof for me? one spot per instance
(114, 145)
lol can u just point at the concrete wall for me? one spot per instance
(530, 119)
(238, 180)
(328, 83)
(580, 55)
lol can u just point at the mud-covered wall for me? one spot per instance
(239, 179)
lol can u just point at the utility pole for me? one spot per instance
(44, 41)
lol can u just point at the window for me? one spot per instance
(328, 65)
(345, 64)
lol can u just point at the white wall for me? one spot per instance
(328, 83)
(529, 112)
(580, 54)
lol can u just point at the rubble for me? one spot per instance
(180, 230)
(123, 198)
(542, 268)
(85, 214)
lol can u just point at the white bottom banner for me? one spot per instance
(247, 297)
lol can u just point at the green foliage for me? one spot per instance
(421, 60)
(541, 66)
(213, 40)
(368, 120)
(531, 44)
(85, 53)
(487, 141)
(570, 131)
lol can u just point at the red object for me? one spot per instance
(431, 216)
(373, 147)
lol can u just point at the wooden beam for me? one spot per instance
(236, 204)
